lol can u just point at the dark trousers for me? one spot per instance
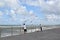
(41, 28)
(25, 30)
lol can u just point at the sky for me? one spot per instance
(16, 12)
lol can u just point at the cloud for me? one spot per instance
(12, 3)
(1, 13)
(53, 17)
(51, 9)
(47, 6)
(17, 12)
(2, 4)
(50, 6)
(30, 2)
(22, 10)
(13, 8)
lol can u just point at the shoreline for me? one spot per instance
(29, 31)
(52, 34)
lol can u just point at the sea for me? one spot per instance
(5, 32)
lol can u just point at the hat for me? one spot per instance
(24, 24)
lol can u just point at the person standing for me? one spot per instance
(25, 29)
(40, 27)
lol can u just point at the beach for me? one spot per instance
(6, 33)
(51, 34)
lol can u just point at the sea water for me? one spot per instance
(9, 32)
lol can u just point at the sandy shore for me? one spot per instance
(28, 31)
(52, 34)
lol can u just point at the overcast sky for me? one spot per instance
(15, 12)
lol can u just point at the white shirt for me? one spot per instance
(24, 26)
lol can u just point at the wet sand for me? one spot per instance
(51, 34)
